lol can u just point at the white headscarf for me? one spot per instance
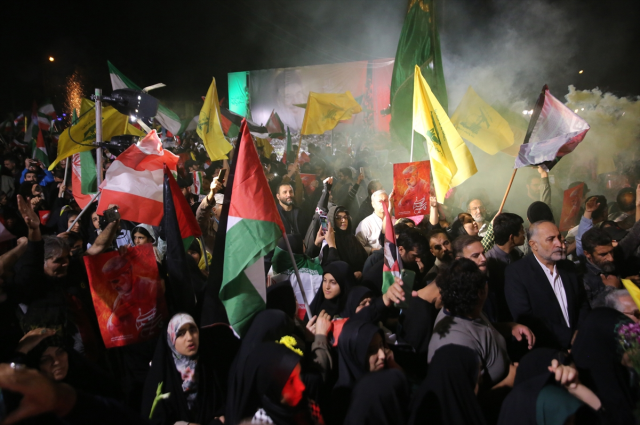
(185, 365)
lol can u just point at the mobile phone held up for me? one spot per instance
(323, 223)
(108, 216)
(408, 277)
(222, 174)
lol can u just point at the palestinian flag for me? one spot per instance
(392, 261)
(19, 119)
(180, 228)
(253, 229)
(167, 118)
(46, 116)
(39, 149)
(275, 126)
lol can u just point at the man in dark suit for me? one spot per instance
(543, 289)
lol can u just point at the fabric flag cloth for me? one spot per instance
(253, 229)
(633, 289)
(82, 136)
(180, 229)
(325, 110)
(39, 150)
(392, 260)
(235, 121)
(31, 134)
(167, 118)
(83, 177)
(209, 127)
(289, 156)
(198, 187)
(134, 181)
(451, 161)
(275, 126)
(480, 124)
(554, 131)
(419, 44)
(46, 115)
(5, 235)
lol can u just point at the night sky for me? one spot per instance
(183, 44)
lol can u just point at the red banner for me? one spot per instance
(308, 182)
(412, 184)
(128, 295)
(571, 207)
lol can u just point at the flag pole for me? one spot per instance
(295, 268)
(98, 106)
(66, 169)
(86, 207)
(513, 176)
(412, 133)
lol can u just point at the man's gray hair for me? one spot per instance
(375, 196)
(533, 229)
(611, 299)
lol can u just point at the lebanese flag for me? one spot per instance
(253, 229)
(554, 131)
(392, 261)
(134, 181)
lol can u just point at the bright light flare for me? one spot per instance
(51, 59)
(581, 71)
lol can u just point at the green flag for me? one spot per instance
(289, 152)
(419, 45)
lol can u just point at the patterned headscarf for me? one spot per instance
(185, 365)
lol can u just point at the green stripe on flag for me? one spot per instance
(247, 241)
(187, 242)
(88, 175)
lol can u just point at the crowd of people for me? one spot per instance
(508, 321)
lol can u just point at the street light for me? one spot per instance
(51, 59)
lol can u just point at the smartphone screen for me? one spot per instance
(408, 277)
(323, 223)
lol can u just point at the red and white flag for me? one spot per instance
(76, 182)
(134, 181)
(554, 131)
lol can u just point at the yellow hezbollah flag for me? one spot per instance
(451, 161)
(267, 149)
(634, 291)
(480, 124)
(82, 136)
(325, 110)
(209, 127)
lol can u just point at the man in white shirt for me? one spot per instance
(368, 231)
(544, 291)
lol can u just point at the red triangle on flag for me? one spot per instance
(252, 198)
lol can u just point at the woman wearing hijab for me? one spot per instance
(362, 349)
(597, 355)
(195, 250)
(180, 369)
(448, 395)
(337, 279)
(546, 391)
(380, 399)
(464, 225)
(341, 243)
(42, 349)
(143, 234)
(271, 389)
(268, 325)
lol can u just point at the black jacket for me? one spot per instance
(533, 303)
(297, 224)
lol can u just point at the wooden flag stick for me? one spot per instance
(513, 176)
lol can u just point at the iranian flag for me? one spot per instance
(134, 181)
(46, 115)
(83, 178)
(198, 187)
(167, 118)
(392, 261)
(253, 229)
